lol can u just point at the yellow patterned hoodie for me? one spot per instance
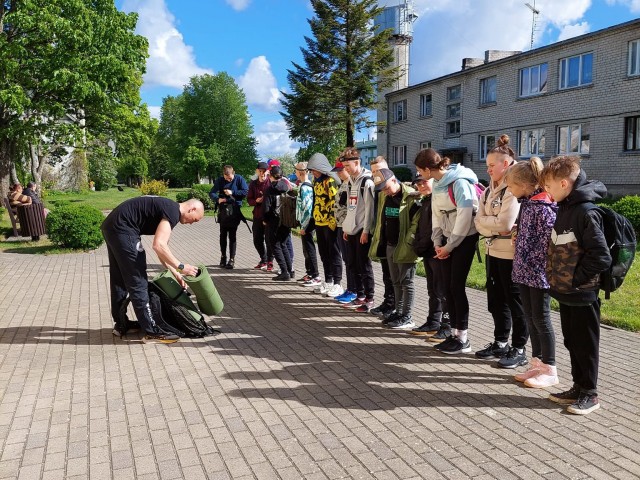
(324, 192)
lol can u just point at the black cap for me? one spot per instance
(380, 178)
(263, 166)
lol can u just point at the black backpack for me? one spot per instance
(173, 317)
(287, 209)
(621, 239)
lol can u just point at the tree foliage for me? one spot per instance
(203, 128)
(345, 64)
(67, 60)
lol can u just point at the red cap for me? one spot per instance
(272, 162)
(339, 166)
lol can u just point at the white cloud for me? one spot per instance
(632, 5)
(238, 4)
(154, 111)
(171, 62)
(259, 84)
(273, 139)
(443, 34)
(570, 31)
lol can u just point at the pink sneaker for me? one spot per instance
(532, 372)
(547, 377)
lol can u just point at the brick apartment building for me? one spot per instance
(579, 96)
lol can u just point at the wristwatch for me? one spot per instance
(180, 267)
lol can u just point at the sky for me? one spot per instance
(256, 41)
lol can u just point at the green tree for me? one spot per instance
(64, 59)
(102, 167)
(345, 64)
(331, 148)
(195, 163)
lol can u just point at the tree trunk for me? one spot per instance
(5, 162)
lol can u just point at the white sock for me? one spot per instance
(454, 332)
(502, 344)
(462, 335)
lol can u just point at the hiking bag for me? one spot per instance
(480, 188)
(287, 209)
(621, 239)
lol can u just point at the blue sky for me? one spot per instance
(256, 41)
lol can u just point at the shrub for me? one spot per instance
(75, 226)
(201, 192)
(403, 174)
(182, 197)
(153, 187)
(629, 207)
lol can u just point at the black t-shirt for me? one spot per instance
(391, 218)
(142, 215)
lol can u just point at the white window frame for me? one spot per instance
(632, 133)
(574, 131)
(426, 105)
(399, 111)
(453, 134)
(454, 88)
(634, 58)
(485, 145)
(425, 145)
(563, 71)
(533, 146)
(489, 90)
(399, 155)
(534, 72)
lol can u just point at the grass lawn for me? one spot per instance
(622, 310)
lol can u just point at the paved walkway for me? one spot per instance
(295, 387)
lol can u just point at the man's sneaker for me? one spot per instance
(430, 327)
(260, 265)
(382, 309)
(513, 358)
(387, 318)
(441, 335)
(312, 282)
(306, 278)
(346, 297)
(292, 274)
(446, 342)
(269, 268)
(455, 347)
(131, 327)
(365, 307)
(492, 350)
(585, 404)
(323, 288)
(223, 262)
(283, 277)
(403, 322)
(355, 303)
(567, 397)
(160, 338)
(334, 291)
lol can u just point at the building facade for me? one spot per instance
(579, 96)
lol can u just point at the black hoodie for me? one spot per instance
(578, 251)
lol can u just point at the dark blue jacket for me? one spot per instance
(238, 187)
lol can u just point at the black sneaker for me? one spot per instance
(492, 350)
(283, 277)
(441, 335)
(513, 358)
(586, 403)
(230, 264)
(567, 397)
(430, 327)
(455, 346)
(382, 309)
(390, 317)
(130, 327)
(160, 338)
(403, 322)
(223, 262)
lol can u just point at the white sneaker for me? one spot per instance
(314, 282)
(335, 291)
(323, 288)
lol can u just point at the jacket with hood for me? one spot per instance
(304, 204)
(454, 221)
(256, 190)
(324, 192)
(537, 216)
(360, 210)
(423, 243)
(578, 251)
(497, 213)
(271, 207)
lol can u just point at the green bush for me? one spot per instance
(629, 207)
(154, 187)
(75, 226)
(182, 197)
(201, 192)
(403, 174)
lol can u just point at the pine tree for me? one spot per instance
(346, 63)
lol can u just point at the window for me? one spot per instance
(453, 128)
(632, 133)
(454, 93)
(425, 105)
(453, 110)
(487, 142)
(576, 71)
(488, 90)
(533, 80)
(424, 145)
(399, 111)
(400, 155)
(574, 139)
(634, 57)
(531, 142)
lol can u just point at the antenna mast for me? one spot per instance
(534, 13)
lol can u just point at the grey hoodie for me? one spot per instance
(320, 163)
(360, 209)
